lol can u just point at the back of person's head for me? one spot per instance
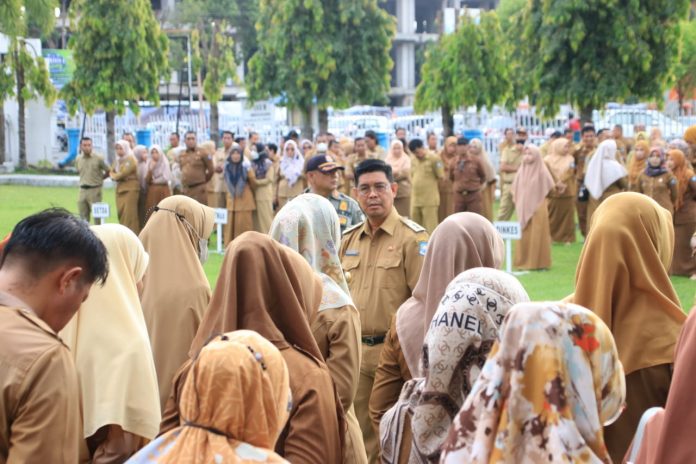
(41, 242)
(588, 128)
(415, 144)
(373, 165)
(370, 134)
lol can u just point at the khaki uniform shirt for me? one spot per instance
(91, 169)
(382, 269)
(582, 155)
(40, 409)
(126, 177)
(511, 155)
(467, 174)
(196, 168)
(378, 153)
(425, 175)
(217, 182)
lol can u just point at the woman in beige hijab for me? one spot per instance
(159, 178)
(400, 161)
(109, 343)
(177, 291)
(462, 241)
(476, 148)
(125, 173)
(447, 154)
(622, 276)
(268, 288)
(561, 165)
(532, 184)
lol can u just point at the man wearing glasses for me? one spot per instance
(382, 259)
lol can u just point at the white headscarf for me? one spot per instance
(291, 167)
(603, 169)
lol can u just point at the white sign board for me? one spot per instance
(220, 216)
(259, 113)
(509, 230)
(100, 210)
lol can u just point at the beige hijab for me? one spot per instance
(177, 291)
(462, 241)
(487, 165)
(557, 162)
(398, 163)
(531, 185)
(109, 342)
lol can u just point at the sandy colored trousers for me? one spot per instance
(85, 200)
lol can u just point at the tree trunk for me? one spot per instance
(201, 109)
(323, 121)
(3, 156)
(214, 123)
(307, 131)
(110, 135)
(586, 114)
(447, 121)
(21, 129)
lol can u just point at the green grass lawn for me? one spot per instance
(556, 283)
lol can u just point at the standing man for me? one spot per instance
(468, 178)
(510, 160)
(373, 148)
(173, 144)
(623, 146)
(322, 177)
(426, 172)
(508, 139)
(400, 133)
(432, 143)
(92, 170)
(217, 189)
(382, 258)
(582, 154)
(46, 271)
(359, 155)
(196, 169)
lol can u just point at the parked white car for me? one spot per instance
(629, 118)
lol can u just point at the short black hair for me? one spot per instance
(588, 128)
(370, 134)
(292, 134)
(239, 139)
(398, 129)
(230, 133)
(462, 141)
(272, 147)
(415, 144)
(358, 139)
(54, 236)
(373, 165)
(175, 133)
(85, 139)
(189, 132)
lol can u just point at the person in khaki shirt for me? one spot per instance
(196, 170)
(359, 155)
(510, 161)
(217, 192)
(124, 173)
(93, 170)
(382, 258)
(582, 154)
(373, 147)
(46, 271)
(426, 172)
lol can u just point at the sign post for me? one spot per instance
(220, 220)
(100, 211)
(509, 231)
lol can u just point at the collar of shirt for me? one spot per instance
(11, 302)
(389, 224)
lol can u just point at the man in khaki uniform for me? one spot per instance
(582, 154)
(196, 170)
(46, 271)
(382, 258)
(373, 148)
(426, 171)
(217, 189)
(359, 155)
(510, 160)
(93, 170)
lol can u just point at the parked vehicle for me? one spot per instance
(629, 118)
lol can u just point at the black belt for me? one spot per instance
(89, 186)
(468, 192)
(372, 340)
(195, 185)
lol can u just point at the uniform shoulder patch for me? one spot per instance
(414, 226)
(673, 181)
(353, 227)
(422, 247)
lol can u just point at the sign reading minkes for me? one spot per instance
(220, 220)
(509, 231)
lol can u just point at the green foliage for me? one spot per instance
(119, 54)
(328, 52)
(37, 82)
(685, 69)
(465, 68)
(16, 16)
(589, 52)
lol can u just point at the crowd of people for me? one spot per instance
(360, 314)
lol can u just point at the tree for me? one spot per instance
(323, 53)
(23, 68)
(212, 49)
(685, 70)
(120, 54)
(590, 52)
(465, 68)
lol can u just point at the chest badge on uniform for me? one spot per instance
(422, 248)
(352, 253)
(343, 206)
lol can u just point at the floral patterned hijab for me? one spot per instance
(544, 394)
(309, 225)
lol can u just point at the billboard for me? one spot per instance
(60, 66)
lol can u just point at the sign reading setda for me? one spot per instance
(100, 210)
(509, 230)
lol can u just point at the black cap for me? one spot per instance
(323, 163)
(462, 141)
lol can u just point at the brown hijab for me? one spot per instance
(462, 241)
(622, 277)
(636, 166)
(531, 185)
(265, 287)
(557, 162)
(668, 436)
(176, 292)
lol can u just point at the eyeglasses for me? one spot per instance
(379, 189)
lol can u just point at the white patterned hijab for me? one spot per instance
(309, 225)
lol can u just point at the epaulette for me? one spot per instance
(414, 226)
(353, 227)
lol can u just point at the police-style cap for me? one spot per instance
(322, 163)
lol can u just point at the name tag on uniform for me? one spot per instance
(422, 248)
(352, 253)
(343, 220)
(343, 206)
